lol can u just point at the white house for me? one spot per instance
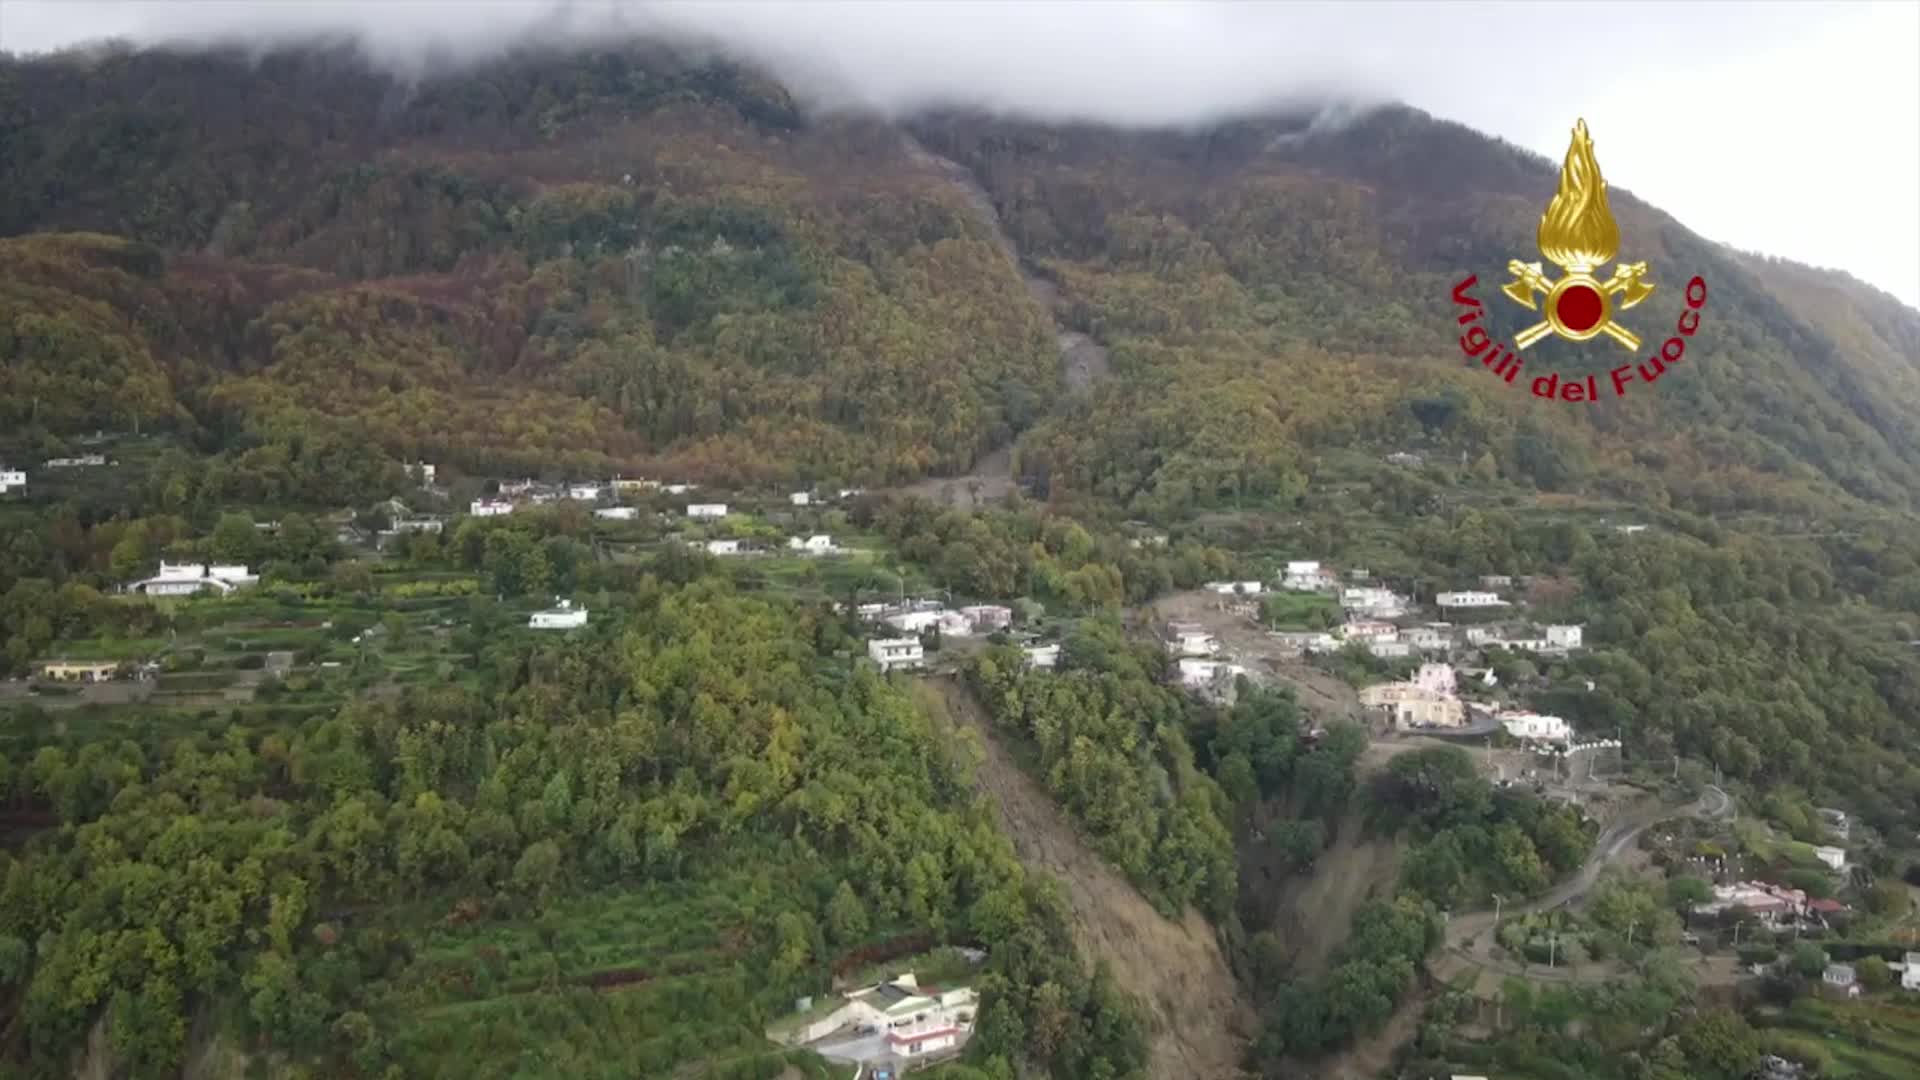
(585, 492)
(562, 616)
(617, 513)
(1305, 641)
(183, 579)
(1190, 639)
(1430, 638)
(510, 488)
(913, 622)
(1411, 706)
(1835, 858)
(1435, 677)
(1376, 602)
(424, 473)
(1389, 648)
(894, 653)
(11, 479)
(818, 544)
(800, 498)
(1563, 637)
(1496, 581)
(1042, 656)
(723, 547)
(1534, 727)
(489, 507)
(1198, 674)
(989, 617)
(1469, 600)
(1910, 972)
(1483, 635)
(954, 624)
(1370, 630)
(1236, 588)
(624, 484)
(707, 510)
(1306, 576)
(76, 462)
(1841, 978)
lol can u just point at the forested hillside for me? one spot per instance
(625, 258)
(440, 843)
(612, 260)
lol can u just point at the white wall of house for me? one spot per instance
(1043, 656)
(707, 510)
(892, 653)
(1468, 600)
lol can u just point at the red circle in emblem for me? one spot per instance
(1579, 308)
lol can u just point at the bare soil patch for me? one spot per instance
(1246, 643)
(1176, 968)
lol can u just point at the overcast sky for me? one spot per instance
(1788, 128)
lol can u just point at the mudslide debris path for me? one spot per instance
(1175, 968)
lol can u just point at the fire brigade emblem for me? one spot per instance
(1578, 234)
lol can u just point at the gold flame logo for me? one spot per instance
(1578, 234)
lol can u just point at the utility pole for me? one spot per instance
(1553, 940)
(1497, 901)
(1631, 927)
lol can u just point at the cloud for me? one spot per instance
(1687, 101)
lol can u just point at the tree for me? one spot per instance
(846, 916)
(537, 870)
(1809, 959)
(1300, 841)
(1875, 973)
(1686, 893)
(234, 540)
(1719, 1045)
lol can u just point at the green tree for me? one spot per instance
(234, 539)
(846, 916)
(1719, 1045)
(1875, 973)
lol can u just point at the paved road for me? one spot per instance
(1612, 843)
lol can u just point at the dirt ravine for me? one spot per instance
(1083, 361)
(1175, 968)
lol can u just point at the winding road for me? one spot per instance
(1467, 937)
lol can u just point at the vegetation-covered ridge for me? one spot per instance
(700, 805)
(604, 261)
(623, 257)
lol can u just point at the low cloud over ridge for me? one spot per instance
(1673, 95)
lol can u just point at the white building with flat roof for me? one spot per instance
(1411, 706)
(1045, 657)
(707, 510)
(185, 579)
(723, 547)
(489, 508)
(1469, 600)
(12, 480)
(1533, 727)
(1307, 576)
(1189, 639)
(562, 616)
(1373, 602)
(896, 653)
(617, 513)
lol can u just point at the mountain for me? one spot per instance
(630, 259)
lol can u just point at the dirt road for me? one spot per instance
(1176, 968)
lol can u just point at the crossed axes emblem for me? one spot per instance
(1626, 283)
